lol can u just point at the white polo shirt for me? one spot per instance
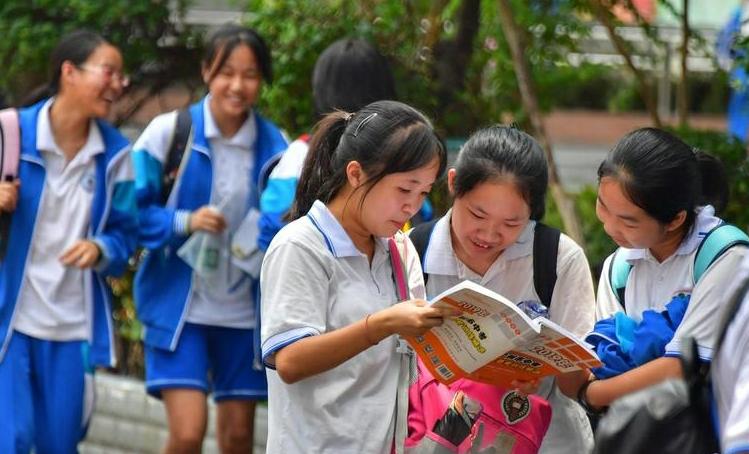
(314, 280)
(230, 305)
(730, 373)
(652, 285)
(52, 300)
(511, 275)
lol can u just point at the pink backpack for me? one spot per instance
(473, 417)
(10, 151)
(467, 416)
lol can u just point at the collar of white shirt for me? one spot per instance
(440, 256)
(704, 222)
(45, 139)
(245, 136)
(337, 239)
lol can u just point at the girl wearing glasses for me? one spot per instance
(199, 332)
(73, 224)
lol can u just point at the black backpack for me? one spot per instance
(545, 249)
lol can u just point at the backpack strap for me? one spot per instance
(10, 144)
(618, 275)
(717, 241)
(715, 244)
(420, 236)
(181, 137)
(398, 259)
(545, 250)
(10, 153)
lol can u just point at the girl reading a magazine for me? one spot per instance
(499, 186)
(657, 198)
(337, 380)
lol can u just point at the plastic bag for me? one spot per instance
(244, 245)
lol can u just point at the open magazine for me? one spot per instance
(495, 342)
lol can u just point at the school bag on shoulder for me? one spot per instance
(176, 157)
(715, 243)
(672, 417)
(179, 153)
(10, 152)
(545, 249)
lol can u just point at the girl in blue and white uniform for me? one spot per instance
(199, 336)
(73, 224)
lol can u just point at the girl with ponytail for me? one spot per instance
(330, 309)
(658, 198)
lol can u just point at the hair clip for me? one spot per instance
(363, 122)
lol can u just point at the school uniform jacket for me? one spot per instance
(164, 281)
(113, 227)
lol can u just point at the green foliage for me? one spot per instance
(732, 153)
(31, 29)
(128, 328)
(598, 245)
(298, 31)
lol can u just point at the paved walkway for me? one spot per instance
(127, 421)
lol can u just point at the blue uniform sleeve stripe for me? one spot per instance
(279, 341)
(737, 448)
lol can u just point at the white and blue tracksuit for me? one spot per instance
(113, 227)
(163, 284)
(45, 390)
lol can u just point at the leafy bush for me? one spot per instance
(732, 152)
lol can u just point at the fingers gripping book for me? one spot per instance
(493, 341)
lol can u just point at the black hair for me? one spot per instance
(348, 75)
(663, 175)
(385, 137)
(75, 47)
(221, 44)
(504, 152)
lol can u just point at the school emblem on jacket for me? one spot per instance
(515, 407)
(88, 182)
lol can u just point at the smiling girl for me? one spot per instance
(499, 187)
(73, 224)
(199, 334)
(657, 198)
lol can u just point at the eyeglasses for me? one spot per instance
(108, 73)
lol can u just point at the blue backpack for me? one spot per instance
(717, 241)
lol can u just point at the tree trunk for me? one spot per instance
(683, 93)
(515, 40)
(646, 91)
(452, 57)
